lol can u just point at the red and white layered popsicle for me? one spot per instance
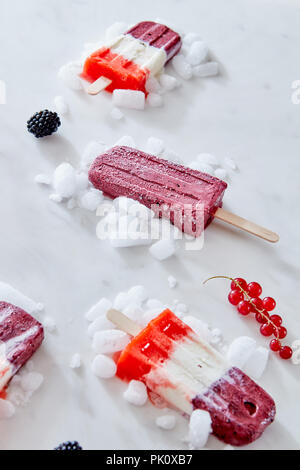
(20, 336)
(189, 198)
(128, 60)
(189, 374)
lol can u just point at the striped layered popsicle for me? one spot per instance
(188, 198)
(20, 336)
(189, 374)
(129, 59)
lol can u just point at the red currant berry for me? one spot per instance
(269, 303)
(261, 318)
(244, 307)
(239, 280)
(266, 329)
(257, 303)
(282, 332)
(235, 297)
(286, 352)
(275, 345)
(276, 319)
(254, 289)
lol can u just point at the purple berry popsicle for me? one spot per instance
(189, 198)
(130, 59)
(20, 336)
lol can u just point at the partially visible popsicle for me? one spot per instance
(189, 198)
(20, 336)
(189, 374)
(128, 60)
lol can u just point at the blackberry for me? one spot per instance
(43, 123)
(70, 445)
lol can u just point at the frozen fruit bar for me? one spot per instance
(188, 198)
(20, 336)
(189, 374)
(129, 59)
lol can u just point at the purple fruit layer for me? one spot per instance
(21, 334)
(240, 409)
(159, 184)
(157, 35)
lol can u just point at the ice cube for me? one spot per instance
(100, 324)
(64, 180)
(126, 140)
(61, 105)
(115, 30)
(155, 100)
(91, 152)
(100, 309)
(104, 367)
(163, 249)
(110, 341)
(90, 199)
(122, 300)
(155, 146)
(43, 179)
(257, 363)
(230, 163)
(168, 82)
(116, 114)
(199, 429)
(75, 362)
(69, 74)
(152, 85)
(138, 294)
(240, 351)
(31, 381)
(207, 159)
(197, 53)
(167, 422)
(200, 327)
(136, 393)
(172, 281)
(49, 323)
(209, 69)
(154, 304)
(221, 173)
(189, 38)
(82, 181)
(10, 295)
(182, 67)
(7, 409)
(132, 99)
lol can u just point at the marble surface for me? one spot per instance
(53, 255)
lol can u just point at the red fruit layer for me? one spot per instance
(157, 35)
(151, 347)
(15, 323)
(160, 185)
(240, 409)
(124, 73)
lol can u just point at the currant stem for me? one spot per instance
(261, 312)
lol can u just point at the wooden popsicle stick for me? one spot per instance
(98, 86)
(246, 225)
(123, 323)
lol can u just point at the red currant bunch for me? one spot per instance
(246, 297)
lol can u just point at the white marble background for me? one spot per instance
(54, 256)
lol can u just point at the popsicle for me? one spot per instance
(173, 362)
(129, 59)
(20, 336)
(189, 198)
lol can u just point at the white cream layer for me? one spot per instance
(141, 53)
(192, 368)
